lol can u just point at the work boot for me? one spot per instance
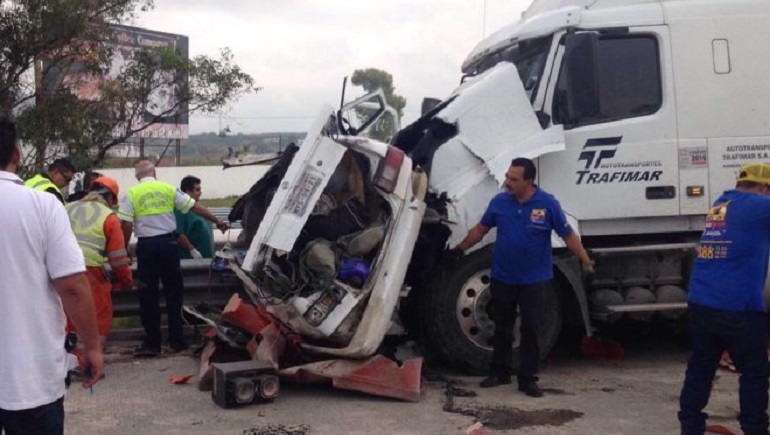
(177, 347)
(531, 389)
(494, 381)
(144, 351)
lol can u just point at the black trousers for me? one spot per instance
(743, 335)
(43, 420)
(530, 301)
(158, 261)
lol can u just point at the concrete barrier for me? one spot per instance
(215, 181)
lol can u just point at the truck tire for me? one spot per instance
(457, 321)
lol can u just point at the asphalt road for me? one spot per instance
(584, 395)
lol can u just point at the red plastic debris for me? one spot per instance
(179, 379)
(718, 428)
(246, 316)
(602, 347)
(378, 376)
(383, 377)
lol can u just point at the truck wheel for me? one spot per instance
(458, 322)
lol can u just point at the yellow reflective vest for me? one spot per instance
(40, 182)
(151, 197)
(87, 219)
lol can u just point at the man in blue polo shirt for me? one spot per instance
(725, 306)
(522, 266)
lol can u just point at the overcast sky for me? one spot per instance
(299, 50)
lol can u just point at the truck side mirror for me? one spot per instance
(428, 104)
(580, 62)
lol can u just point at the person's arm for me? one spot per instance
(128, 229)
(206, 214)
(574, 244)
(474, 236)
(184, 242)
(571, 239)
(75, 293)
(116, 253)
(126, 216)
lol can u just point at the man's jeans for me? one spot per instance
(43, 420)
(743, 335)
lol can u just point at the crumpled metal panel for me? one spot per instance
(377, 375)
(496, 124)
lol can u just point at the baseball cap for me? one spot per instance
(756, 172)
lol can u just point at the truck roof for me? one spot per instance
(544, 17)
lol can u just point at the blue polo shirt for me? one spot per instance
(522, 251)
(731, 267)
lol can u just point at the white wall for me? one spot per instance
(215, 182)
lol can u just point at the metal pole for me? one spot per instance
(484, 22)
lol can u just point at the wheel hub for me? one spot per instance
(474, 313)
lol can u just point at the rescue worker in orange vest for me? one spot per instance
(97, 230)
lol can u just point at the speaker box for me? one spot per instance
(244, 382)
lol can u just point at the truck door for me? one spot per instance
(613, 92)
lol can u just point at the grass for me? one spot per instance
(220, 202)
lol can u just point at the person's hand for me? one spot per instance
(454, 254)
(587, 269)
(222, 225)
(92, 366)
(194, 253)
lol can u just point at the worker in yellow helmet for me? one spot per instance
(58, 176)
(98, 232)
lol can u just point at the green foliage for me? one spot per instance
(372, 79)
(43, 40)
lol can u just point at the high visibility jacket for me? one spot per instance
(87, 218)
(151, 197)
(40, 182)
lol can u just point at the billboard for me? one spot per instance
(166, 116)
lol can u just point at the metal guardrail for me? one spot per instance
(201, 284)
(222, 213)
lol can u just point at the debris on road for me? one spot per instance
(718, 428)
(279, 429)
(475, 429)
(506, 418)
(180, 379)
(603, 348)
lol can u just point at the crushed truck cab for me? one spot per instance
(330, 254)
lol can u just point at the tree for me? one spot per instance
(372, 79)
(45, 41)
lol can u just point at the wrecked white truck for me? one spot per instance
(637, 113)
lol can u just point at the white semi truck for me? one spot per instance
(638, 114)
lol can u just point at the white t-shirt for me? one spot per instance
(36, 246)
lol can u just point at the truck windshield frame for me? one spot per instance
(529, 56)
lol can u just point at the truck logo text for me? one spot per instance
(597, 154)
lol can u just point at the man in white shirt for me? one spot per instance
(41, 278)
(148, 209)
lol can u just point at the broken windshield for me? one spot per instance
(529, 56)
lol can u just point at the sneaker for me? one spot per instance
(531, 389)
(494, 381)
(144, 351)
